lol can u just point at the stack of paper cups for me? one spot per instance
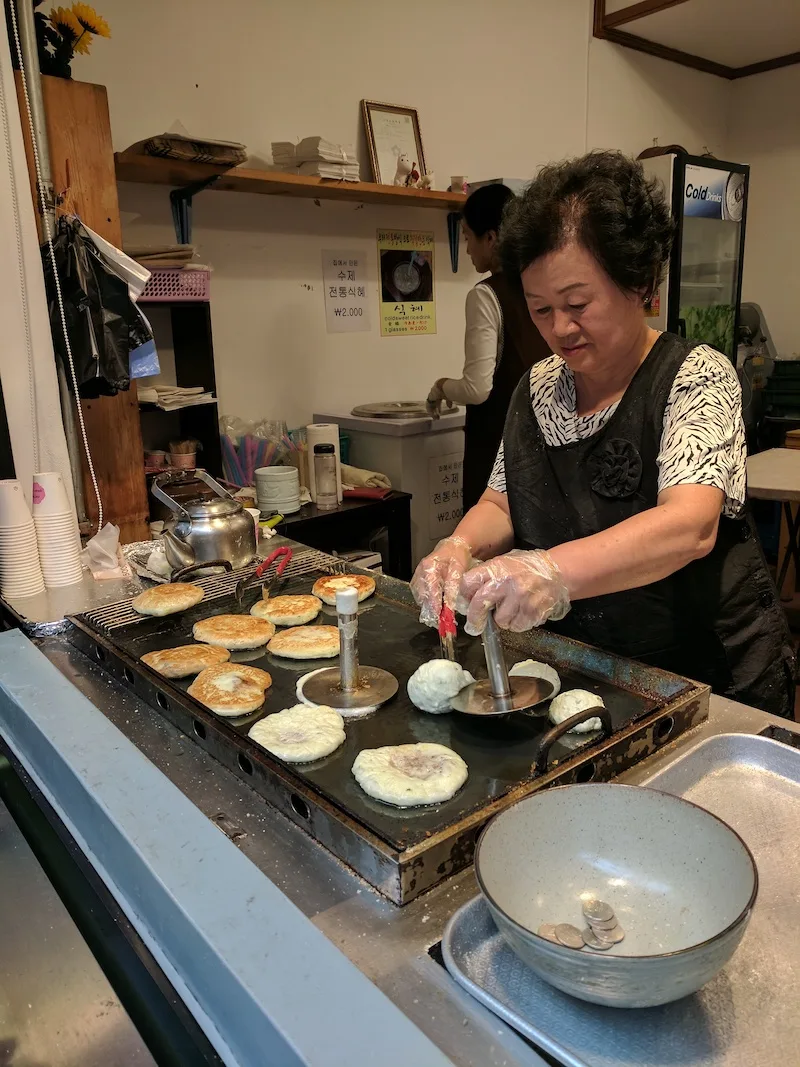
(278, 489)
(20, 572)
(56, 531)
(323, 433)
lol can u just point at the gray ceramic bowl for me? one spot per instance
(681, 882)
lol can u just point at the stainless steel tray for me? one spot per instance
(747, 1016)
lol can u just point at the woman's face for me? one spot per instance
(480, 249)
(587, 319)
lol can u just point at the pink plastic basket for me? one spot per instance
(175, 284)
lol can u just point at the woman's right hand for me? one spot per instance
(438, 576)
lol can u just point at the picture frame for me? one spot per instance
(392, 131)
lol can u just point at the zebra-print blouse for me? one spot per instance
(702, 438)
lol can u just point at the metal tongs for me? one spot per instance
(447, 633)
(268, 589)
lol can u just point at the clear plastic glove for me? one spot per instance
(524, 588)
(438, 577)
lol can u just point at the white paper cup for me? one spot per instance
(49, 494)
(13, 506)
(23, 594)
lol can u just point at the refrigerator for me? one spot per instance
(701, 296)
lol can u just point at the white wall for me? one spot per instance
(765, 132)
(635, 99)
(500, 89)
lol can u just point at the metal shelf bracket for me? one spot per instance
(181, 203)
(454, 236)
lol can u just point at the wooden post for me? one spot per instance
(82, 161)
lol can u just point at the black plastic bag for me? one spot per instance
(103, 323)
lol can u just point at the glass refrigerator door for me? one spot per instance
(713, 209)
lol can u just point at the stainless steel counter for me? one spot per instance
(389, 945)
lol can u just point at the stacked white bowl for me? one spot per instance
(20, 572)
(278, 489)
(56, 531)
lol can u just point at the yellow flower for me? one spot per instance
(65, 23)
(90, 20)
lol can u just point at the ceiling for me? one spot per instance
(734, 33)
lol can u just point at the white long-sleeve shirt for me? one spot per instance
(482, 341)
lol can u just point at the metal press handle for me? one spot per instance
(495, 659)
(550, 738)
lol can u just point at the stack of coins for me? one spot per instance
(602, 932)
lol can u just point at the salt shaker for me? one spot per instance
(325, 477)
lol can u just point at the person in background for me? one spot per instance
(500, 345)
(616, 513)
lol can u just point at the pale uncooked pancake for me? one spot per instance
(231, 688)
(327, 588)
(565, 705)
(531, 668)
(287, 610)
(433, 685)
(167, 599)
(300, 734)
(184, 660)
(306, 642)
(233, 631)
(408, 775)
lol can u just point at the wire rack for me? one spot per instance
(113, 616)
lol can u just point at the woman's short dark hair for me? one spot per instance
(604, 202)
(483, 210)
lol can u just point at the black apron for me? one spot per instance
(718, 619)
(520, 346)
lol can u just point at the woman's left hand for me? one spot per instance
(524, 588)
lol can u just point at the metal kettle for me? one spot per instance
(203, 531)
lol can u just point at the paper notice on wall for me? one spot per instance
(445, 493)
(344, 277)
(405, 259)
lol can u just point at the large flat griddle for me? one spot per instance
(400, 851)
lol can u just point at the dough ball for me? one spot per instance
(433, 685)
(531, 668)
(565, 705)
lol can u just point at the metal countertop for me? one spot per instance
(388, 944)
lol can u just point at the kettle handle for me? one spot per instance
(160, 494)
(204, 476)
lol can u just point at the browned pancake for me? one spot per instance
(287, 610)
(233, 631)
(184, 660)
(326, 588)
(167, 599)
(231, 688)
(306, 642)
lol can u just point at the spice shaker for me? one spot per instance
(325, 477)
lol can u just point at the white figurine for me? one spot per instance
(427, 180)
(403, 170)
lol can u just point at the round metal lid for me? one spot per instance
(396, 409)
(216, 508)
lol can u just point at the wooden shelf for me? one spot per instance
(153, 170)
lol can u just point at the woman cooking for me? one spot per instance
(500, 344)
(615, 513)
